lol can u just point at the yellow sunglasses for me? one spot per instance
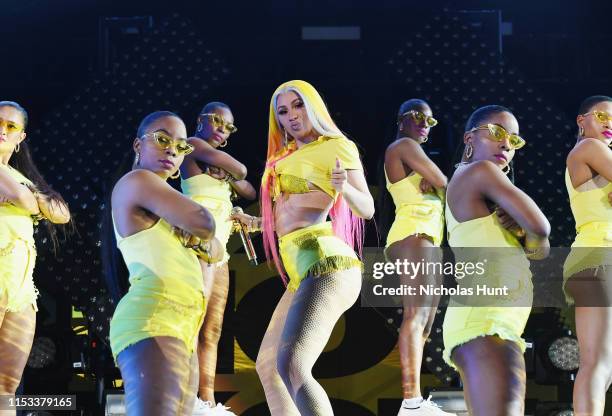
(10, 126)
(601, 116)
(498, 133)
(164, 141)
(218, 121)
(420, 117)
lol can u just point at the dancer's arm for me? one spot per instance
(144, 189)
(496, 187)
(17, 194)
(52, 209)
(203, 152)
(592, 154)
(243, 188)
(412, 154)
(354, 189)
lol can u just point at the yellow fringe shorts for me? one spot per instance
(157, 307)
(412, 219)
(591, 249)
(314, 250)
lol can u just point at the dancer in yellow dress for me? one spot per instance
(155, 326)
(486, 210)
(212, 177)
(417, 187)
(313, 171)
(587, 272)
(25, 198)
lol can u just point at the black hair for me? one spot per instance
(411, 104)
(115, 272)
(476, 119)
(590, 102)
(23, 162)
(209, 107)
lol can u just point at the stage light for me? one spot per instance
(564, 354)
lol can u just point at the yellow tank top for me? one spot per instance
(14, 221)
(313, 163)
(479, 232)
(406, 191)
(156, 252)
(589, 205)
(205, 187)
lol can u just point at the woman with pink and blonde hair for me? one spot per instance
(313, 172)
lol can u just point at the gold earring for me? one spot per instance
(223, 144)
(176, 175)
(469, 151)
(506, 171)
(17, 148)
(581, 132)
(424, 140)
(285, 140)
(137, 158)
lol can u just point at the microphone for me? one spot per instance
(246, 238)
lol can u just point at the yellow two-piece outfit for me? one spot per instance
(214, 195)
(314, 249)
(505, 266)
(165, 297)
(17, 252)
(592, 247)
(415, 212)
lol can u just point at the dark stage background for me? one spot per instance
(89, 71)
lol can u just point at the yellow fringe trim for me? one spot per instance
(332, 264)
(308, 241)
(293, 184)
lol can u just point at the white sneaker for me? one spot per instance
(425, 408)
(206, 408)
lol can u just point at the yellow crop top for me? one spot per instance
(313, 163)
(589, 206)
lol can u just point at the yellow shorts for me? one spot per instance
(314, 250)
(504, 316)
(411, 219)
(157, 307)
(592, 248)
(17, 259)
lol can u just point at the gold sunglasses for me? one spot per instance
(164, 142)
(218, 121)
(419, 118)
(11, 126)
(498, 134)
(601, 116)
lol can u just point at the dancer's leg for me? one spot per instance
(316, 307)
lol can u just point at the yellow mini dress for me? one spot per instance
(165, 297)
(17, 252)
(415, 212)
(592, 247)
(214, 195)
(314, 249)
(506, 266)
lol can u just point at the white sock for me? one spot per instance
(413, 402)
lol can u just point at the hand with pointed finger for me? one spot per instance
(339, 177)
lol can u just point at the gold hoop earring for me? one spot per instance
(506, 171)
(223, 144)
(581, 131)
(199, 128)
(176, 175)
(17, 148)
(469, 151)
(424, 140)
